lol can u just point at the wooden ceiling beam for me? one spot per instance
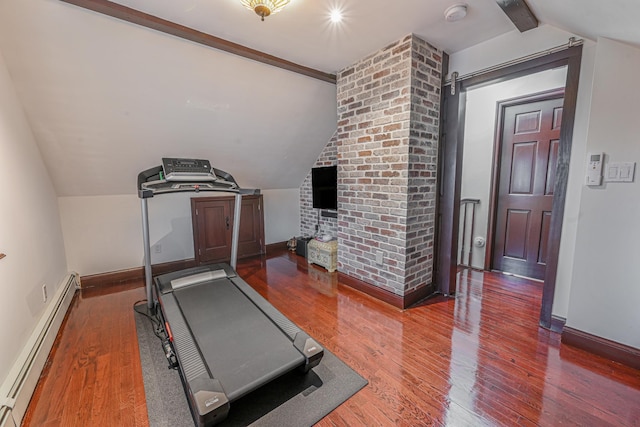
(519, 13)
(137, 17)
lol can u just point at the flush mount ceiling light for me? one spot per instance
(455, 12)
(336, 16)
(265, 7)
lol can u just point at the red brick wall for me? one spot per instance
(386, 149)
(388, 109)
(423, 159)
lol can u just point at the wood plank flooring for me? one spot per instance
(477, 360)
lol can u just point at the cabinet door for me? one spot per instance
(212, 229)
(213, 224)
(251, 227)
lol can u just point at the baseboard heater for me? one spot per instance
(17, 389)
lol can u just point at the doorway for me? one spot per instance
(454, 131)
(480, 175)
(528, 137)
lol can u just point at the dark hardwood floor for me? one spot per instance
(477, 360)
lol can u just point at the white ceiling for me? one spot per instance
(107, 99)
(303, 32)
(613, 19)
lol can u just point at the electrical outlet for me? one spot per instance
(44, 293)
(157, 248)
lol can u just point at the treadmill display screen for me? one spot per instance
(187, 169)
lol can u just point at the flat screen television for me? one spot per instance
(324, 182)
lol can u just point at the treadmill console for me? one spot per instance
(187, 170)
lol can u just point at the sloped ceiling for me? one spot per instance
(107, 99)
(613, 19)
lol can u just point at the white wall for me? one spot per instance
(92, 115)
(605, 293)
(104, 233)
(507, 47)
(281, 215)
(576, 178)
(479, 138)
(30, 233)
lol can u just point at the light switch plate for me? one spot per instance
(613, 170)
(620, 172)
(627, 170)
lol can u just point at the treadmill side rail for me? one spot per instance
(208, 399)
(311, 350)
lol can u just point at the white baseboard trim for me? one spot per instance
(17, 389)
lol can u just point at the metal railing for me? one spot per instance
(467, 223)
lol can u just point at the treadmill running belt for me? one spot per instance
(241, 346)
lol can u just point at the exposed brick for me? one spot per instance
(390, 95)
(381, 73)
(392, 127)
(381, 136)
(347, 72)
(386, 150)
(400, 48)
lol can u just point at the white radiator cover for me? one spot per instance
(17, 389)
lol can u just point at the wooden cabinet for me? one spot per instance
(212, 219)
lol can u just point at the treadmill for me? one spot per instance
(225, 339)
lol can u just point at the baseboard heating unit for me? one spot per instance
(17, 389)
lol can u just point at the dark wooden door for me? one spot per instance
(213, 224)
(449, 187)
(530, 139)
(251, 227)
(212, 231)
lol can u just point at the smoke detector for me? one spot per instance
(455, 12)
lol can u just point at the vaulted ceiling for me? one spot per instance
(106, 98)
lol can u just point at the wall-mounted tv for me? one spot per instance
(324, 182)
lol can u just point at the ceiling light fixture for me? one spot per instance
(336, 16)
(265, 7)
(455, 12)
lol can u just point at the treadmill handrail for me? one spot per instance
(151, 182)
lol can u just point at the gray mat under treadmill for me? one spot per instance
(291, 400)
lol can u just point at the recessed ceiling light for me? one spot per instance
(336, 16)
(455, 12)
